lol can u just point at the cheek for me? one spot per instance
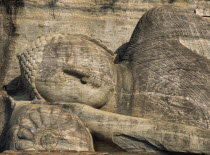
(68, 89)
(102, 96)
(62, 87)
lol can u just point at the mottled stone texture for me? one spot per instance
(5, 114)
(135, 134)
(158, 86)
(68, 68)
(203, 8)
(171, 81)
(2, 114)
(42, 127)
(4, 33)
(73, 153)
(108, 21)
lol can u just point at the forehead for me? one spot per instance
(75, 50)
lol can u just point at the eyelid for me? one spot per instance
(82, 71)
(84, 74)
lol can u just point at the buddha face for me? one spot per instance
(73, 69)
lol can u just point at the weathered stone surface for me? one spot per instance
(42, 127)
(4, 44)
(138, 134)
(161, 79)
(171, 81)
(203, 8)
(3, 111)
(108, 21)
(68, 68)
(5, 114)
(74, 153)
(152, 81)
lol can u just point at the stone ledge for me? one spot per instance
(8, 152)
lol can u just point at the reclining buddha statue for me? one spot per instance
(155, 96)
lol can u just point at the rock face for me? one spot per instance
(162, 77)
(5, 115)
(4, 45)
(108, 21)
(158, 85)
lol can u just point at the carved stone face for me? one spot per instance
(73, 69)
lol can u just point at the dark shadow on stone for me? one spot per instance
(109, 5)
(171, 1)
(103, 146)
(13, 5)
(16, 90)
(12, 8)
(7, 112)
(120, 53)
(52, 3)
(14, 86)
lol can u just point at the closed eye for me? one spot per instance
(73, 73)
(82, 73)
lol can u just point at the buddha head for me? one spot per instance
(68, 68)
